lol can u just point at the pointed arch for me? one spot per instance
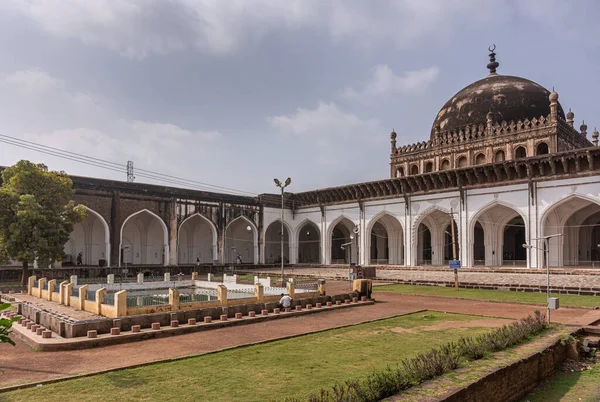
(143, 240)
(391, 244)
(190, 250)
(272, 242)
(494, 219)
(309, 242)
(350, 252)
(92, 243)
(428, 235)
(577, 218)
(247, 249)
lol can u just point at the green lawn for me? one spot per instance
(498, 295)
(271, 371)
(579, 386)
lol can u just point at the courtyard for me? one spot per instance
(360, 328)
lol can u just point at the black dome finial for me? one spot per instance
(493, 64)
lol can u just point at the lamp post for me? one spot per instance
(282, 186)
(547, 255)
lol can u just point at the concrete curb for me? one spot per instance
(127, 337)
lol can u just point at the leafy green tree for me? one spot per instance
(5, 325)
(37, 214)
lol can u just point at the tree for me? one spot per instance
(37, 214)
(5, 325)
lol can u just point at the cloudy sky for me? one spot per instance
(234, 92)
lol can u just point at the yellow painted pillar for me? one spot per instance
(99, 299)
(322, 287)
(291, 288)
(51, 284)
(259, 292)
(82, 297)
(61, 292)
(174, 299)
(222, 295)
(41, 286)
(194, 276)
(68, 293)
(121, 303)
(30, 283)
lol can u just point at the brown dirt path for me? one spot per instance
(21, 365)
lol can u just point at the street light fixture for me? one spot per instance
(547, 255)
(282, 186)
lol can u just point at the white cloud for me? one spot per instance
(137, 28)
(34, 80)
(324, 123)
(42, 109)
(384, 81)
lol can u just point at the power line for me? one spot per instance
(113, 166)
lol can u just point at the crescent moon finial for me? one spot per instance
(492, 48)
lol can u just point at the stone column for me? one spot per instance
(99, 299)
(322, 287)
(68, 293)
(291, 287)
(41, 286)
(173, 234)
(167, 277)
(82, 296)
(174, 299)
(222, 295)
(110, 279)
(140, 278)
(73, 279)
(51, 284)
(62, 288)
(259, 293)
(115, 226)
(30, 283)
(121, 303)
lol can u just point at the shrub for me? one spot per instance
(425, 366)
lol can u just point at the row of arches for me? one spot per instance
(495, 236)
(144, 240)
(520, 152)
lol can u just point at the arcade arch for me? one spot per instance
(241, 239)
(498, 234)
(273, 243)
(91, 238)
(342, 233)
(309, 243)
(385, 241)
(197, 239)
(431, 238)
(144, 239)
(577, 218)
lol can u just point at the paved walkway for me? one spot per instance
(499, 278)
(21, 365)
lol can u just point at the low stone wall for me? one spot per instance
(567, 290)
(73, 329)
(44, 318)
(512, 382)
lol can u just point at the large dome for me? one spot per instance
(508, 98)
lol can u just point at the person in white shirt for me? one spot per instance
(286, 301)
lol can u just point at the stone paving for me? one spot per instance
(500, 278)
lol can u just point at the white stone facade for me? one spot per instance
(568, 206)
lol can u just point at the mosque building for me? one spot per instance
(503, 166)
